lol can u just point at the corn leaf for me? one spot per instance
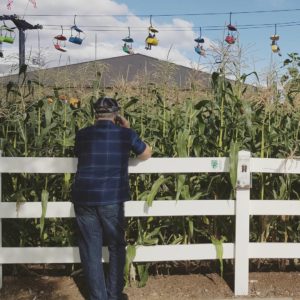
(44, 202)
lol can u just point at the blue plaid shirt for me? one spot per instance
(102, 172)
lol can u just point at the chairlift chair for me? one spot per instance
(199, 49)
(275, 48)
(127, 47)
(7, 34)
(274, 38)
(230, 38)
(151, 39)
(76, 38)
(60, 41)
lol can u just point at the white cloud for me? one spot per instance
(109, 43)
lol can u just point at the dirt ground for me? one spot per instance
(175, 287)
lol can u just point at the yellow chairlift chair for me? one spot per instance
(151, 39)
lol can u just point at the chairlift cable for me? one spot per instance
(168, 28)
(25, 9)
(170, 15)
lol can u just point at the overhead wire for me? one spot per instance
(168, 15)
(120, 28)
(207, 28)
(173, 28)
(96, 28)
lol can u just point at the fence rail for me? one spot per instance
(242, 208)
(153, 165)
(18, 255)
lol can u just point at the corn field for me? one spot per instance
(40, 121)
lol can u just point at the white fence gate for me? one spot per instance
(242, 208)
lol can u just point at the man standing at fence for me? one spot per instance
(99, 191)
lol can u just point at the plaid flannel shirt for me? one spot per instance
(102, 173)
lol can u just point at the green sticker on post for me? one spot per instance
(214, 164)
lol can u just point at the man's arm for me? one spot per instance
(146, 154)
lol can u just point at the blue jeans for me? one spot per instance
(97, 224)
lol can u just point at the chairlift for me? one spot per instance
(231, 27)
(199, 49)
(230, 38)
(199, 40)
(60, 41)
(151, 39)
(7, 34)
(76, 38)
(127, 47)
(275, 48)
(275, 38)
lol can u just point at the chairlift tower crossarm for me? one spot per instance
(22, 26)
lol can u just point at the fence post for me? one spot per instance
(1, 271)
(241, 272)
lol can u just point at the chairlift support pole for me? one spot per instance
(21, 48)
(21, 25)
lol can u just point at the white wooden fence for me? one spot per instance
(242, 208)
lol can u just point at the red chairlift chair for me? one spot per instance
(59, 41)
(230, 38)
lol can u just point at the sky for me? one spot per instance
(176, 33)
